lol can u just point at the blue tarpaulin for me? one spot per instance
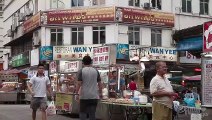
(190, 44)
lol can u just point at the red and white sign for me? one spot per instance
(53, 67)
(101, 55)
(206, 82)
(207, 37)
(69, 66)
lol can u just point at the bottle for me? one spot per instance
(136, 102)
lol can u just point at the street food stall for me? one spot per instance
(68, 62)
(65, 82)
(117, 102)
(9, 88)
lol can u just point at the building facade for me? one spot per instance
(1, 36)
(35, 23)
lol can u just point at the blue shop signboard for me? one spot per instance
(122, 51)
(46, 53)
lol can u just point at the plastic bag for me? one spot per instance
(190, 102)
(51, 110)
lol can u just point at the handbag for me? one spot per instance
(51, 110)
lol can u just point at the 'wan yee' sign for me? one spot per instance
(74, 52)
(156, 53)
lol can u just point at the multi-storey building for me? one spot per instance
(29, 24)
(3, 50)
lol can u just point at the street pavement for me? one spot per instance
(23, 112)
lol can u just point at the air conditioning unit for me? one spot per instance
(9, 33)
(21, 17)
(146, 6)
(13, 27)
(28, 12)
(174, 44)
(36, 41)
(36, 38)
(14, 24)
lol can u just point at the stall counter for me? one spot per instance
(8, 96)
(66, 102)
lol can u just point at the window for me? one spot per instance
(156, 4)
(186, 6)
(57, 4)
(98, 35)
(156, 37)
(76, 3)
(27, 45)
(134, 35)
(56, 36)
(77, 36)
(98, 2)
(204, 7)
(134, 3)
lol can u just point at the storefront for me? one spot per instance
(13, 80)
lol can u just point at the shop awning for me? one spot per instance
(196, 77)
(190, 44)
(20, 39)
(179, 78)
(12, 71)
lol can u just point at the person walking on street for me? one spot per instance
(88, 78)
(162, 92)
(38, 86)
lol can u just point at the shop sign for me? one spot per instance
(32, 23)
(74, 16)
(46, 53)
(53, 67)
(154, 53)
(70, 66)
(189, 58)
(206, 81)
(20, 60)
(120, 67)
(122, 51)
(146, 17)
(101, 55)
(74, 52)
(207, 42)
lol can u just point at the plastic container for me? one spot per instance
(143, 99)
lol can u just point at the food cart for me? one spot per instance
(66, 85)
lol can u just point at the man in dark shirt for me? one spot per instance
(88, 78)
